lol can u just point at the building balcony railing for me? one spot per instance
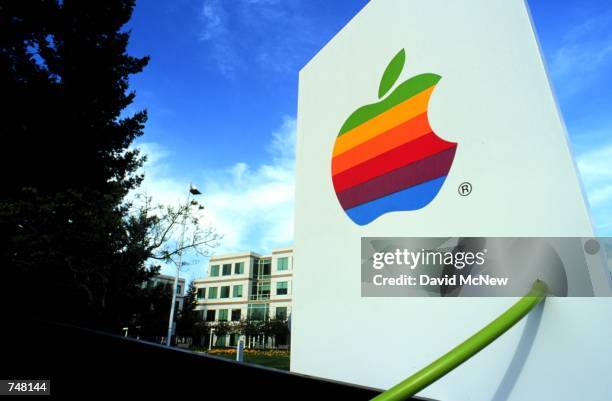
(260, 297)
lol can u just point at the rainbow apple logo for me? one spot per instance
(386, 157)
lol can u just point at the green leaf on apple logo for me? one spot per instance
(392, 73)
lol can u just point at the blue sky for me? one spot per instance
(221, 91)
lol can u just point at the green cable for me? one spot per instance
(467, 349)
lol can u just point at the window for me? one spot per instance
(225, 291)
(281, 288)
(178, 289)
(260, 290)
(238, 291)
(282, 264)
(257, 312)
(199, 314)
(220, 341)
(227, 269)
(201, 293)
(281, 313)
(214, 271)
(233, 339)
(210, 315)
(239, 268)
(212, 293)
(236, 314)
(262, 268)
(223, 315)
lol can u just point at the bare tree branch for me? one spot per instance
(162, 239)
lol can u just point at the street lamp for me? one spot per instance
(190, 202)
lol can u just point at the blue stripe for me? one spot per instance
(412, 198)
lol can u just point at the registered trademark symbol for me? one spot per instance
(465, 188)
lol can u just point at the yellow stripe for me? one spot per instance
(383, 122)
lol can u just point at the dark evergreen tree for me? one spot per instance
(67, 238)
(185, 325)
(151, 320)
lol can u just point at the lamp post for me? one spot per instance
(192, 191)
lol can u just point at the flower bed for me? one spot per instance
(249, 351)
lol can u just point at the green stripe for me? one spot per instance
(467, 349)
(405, 91)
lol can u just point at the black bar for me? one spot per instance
(84, 362)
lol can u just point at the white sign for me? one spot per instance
(484, 98)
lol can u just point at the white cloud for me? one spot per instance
(578, 65)
(158, 181)
(269, 34)
(596, 174)
(216, 33)
(214, 18)
(251, 206)
(584, 51)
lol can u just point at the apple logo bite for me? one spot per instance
(386, 157)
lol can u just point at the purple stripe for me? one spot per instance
(404, 177)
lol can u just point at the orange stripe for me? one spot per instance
(393, 117)
(403, 133)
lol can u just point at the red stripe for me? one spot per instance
(405, 177)
(384, 142)
(402, 155)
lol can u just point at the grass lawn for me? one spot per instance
(270, 361)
